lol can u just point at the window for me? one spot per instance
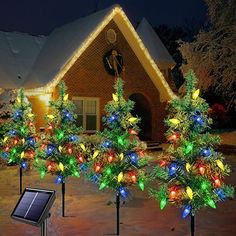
(87, 110)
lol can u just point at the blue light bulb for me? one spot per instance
(83, 167)
(50, 149)
(112, 118)
(221, 194)
(186, 211)
(72, 138)
(31, 141)
(13, 132)
(123, 192)
(206, 152)
(24, 165)
(172, 169)
(198, 119)
(95, 178)
(134, 158)
(59, 179)
(106, 144)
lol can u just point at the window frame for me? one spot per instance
(84, 99)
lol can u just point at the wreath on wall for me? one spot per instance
(113, 62)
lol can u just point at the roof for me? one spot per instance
(60, 46)
(18, 53)
(60, 50)
(153, 43)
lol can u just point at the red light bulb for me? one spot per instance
(162, 163)
(31, 124)
(217, 182)
(97, 168)
(172, 194)
(141, 153)
(50, 127)
(202, 170)
(134, 178)
(69, 149)
(31, 154)
(110, 158)
(81, 159)
(7, 148)
(15, 141)
(49, 167)
(132, 131)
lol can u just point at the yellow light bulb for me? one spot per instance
(195, 94)
(95, 154)
(30, 115)
(189, 192)
(65, 98)
(220, 164)
(133, 119)
(120, 177)
(60, 148)
(115, 97)
(188, 166)
(121, 156)
(174, 121)
(61, 166)
(50, 116)
(82, 147)
(22, 154)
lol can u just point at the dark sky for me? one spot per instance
(42, 16)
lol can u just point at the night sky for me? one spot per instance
(42, 16)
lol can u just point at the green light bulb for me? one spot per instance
(61, 135)
(162, 203)
(141, 185)
(102, 186)
(14, 150)
(76, 173)
(22, 130)
(211, 203)
(120, 141)
(72, 161)
(108, 171)
(188, 148)
(42, 173)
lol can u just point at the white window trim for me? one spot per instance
(97, 111)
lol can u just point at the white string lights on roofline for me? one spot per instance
(48, 88)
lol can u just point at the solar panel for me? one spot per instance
(33, 206)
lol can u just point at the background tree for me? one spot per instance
(57, 153)
(192, 172)
(19, 139)
(170, 36)
(212, 54)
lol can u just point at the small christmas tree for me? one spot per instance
(57, 154)
(192, 171)
(119, 161)
(19, 141)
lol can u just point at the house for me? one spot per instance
(88, 54)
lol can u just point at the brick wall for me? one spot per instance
(88, 78)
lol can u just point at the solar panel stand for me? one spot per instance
(20, 180)
(118, 214)
(44, 226)
(63, 190)
(192, 224)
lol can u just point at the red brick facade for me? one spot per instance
(88, 78)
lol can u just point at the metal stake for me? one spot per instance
(118, 213)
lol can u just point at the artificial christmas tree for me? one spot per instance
(19, 140)
(192, 172)
(119, 161)
(57, 153)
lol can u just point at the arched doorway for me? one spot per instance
(142, 109)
